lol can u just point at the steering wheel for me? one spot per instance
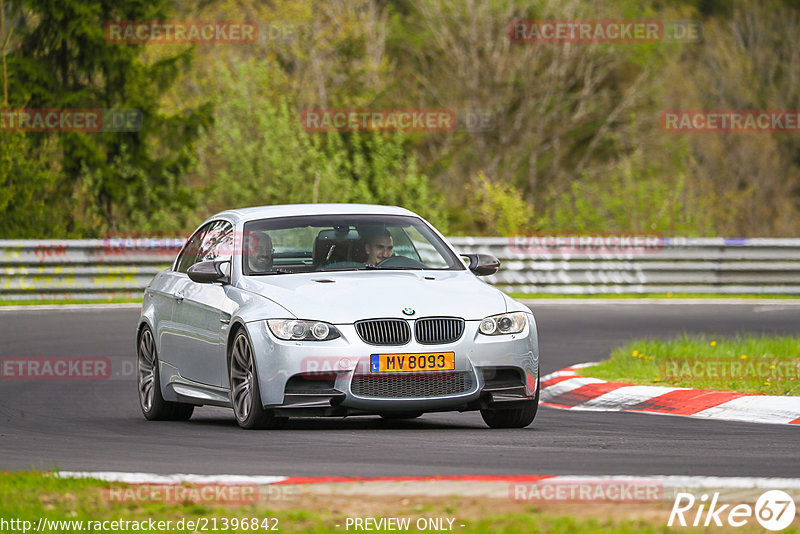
(401, 261)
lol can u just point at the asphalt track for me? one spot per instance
(96, 425)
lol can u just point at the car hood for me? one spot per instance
(349, 296)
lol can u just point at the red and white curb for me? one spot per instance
(678, 481)
(565, 389)
(180, 478)
(488, 486)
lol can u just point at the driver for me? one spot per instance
(259, 253)
(379, 246)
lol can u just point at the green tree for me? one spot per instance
(29, 203)
(64, 61)
(259, 154)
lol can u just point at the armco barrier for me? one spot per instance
(678, 265)
(82, 269)
(100, 269)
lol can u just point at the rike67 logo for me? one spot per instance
(774, 510)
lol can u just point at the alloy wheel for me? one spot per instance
(147, 370)
(242, 377)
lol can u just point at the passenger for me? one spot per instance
(259, 252)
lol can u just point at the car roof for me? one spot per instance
(289, 210)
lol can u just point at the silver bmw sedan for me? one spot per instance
(332, 310)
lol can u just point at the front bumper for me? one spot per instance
(333, 377)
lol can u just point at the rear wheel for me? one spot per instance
(152, 403)
(515, 417)
(245, 392)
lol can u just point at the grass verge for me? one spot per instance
(29, 497)
(750, 364)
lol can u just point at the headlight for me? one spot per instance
(507, 323)
(296, 330)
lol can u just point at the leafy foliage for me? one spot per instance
(29, 197)
(259, 154)
(111, 179)
(574, 142)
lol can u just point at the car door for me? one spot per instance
(198, 313)
(173, 284)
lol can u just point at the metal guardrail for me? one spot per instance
(677, 265)
(121, 268)
(93, 269)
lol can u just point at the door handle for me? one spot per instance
(179, 297)
(225, 320)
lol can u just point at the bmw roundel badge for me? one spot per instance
(409, 311)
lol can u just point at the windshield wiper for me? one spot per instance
(341, 269)
(372, 267)
(279, 270)
(395, 268)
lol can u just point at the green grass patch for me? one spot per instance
(30, 496)
(750, 364)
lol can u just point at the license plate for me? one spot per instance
(428, 361)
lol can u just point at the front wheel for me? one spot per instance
(245, 392)
(514, 417)
(152, 403)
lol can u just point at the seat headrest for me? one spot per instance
(340, 241)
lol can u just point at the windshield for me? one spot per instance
(343, 242)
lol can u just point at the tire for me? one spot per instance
(151, 402)
(245, 392)
(396, 416)
(514, 417)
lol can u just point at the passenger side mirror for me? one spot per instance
(482, 264)
(208, 272)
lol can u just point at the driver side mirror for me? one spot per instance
(482, 264)
(208, 272)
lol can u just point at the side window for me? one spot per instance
(217, 242)
(214, 241)
(188, 256)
